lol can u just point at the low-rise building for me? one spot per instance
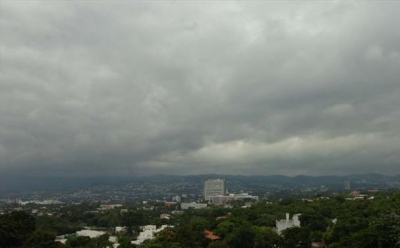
(244, 196)
(223, 199)
(90, 233)
(287, 223)
(148, 233)
(109, 206)
(210, 235)
(120, 229)
(317, 245)
(220, 199)
(187, 205)
(165, 216)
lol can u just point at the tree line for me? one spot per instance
(335, 222)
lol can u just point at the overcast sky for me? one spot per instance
(155, 87)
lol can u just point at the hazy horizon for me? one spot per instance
(184, 88)
(212, 175)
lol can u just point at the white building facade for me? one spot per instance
(214, 187)
(148, 233)
(194, 205)
(287, 223)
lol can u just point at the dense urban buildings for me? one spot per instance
(222, 199)
(132, 213)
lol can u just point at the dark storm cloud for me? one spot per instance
(183, 88)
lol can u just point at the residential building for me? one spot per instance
(165, 216)
(223, 199)
(90, 233)
(148, 233)
(244, 196)
(120, 229)
(109, 206)
(287, 223)
(210, 235)
(194, 205)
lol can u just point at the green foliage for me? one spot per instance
(296, 236)
(224, 228)
(79, 242)
(102, 241)
(218, 244)
(363, 223)
(42, 239)
(243, 236)
(133, 218)
(16, 228)
(314, 220)
(83, 241)
(366, 223)
(58, 225)
(265, 237)
(287, 201)
(125, 242)
(199, 224)
(190, 233)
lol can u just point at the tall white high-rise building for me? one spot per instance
(214, 187)
(347, 185)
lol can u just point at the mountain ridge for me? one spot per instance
(24, 183)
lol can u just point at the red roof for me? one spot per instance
(210, 235)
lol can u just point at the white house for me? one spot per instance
(90, 233)
(287, 223)
(148, 233)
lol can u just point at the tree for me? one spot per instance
(314, 221)
(224, 228)
(191, 233)
(265, 237)
(242, 237)
(133, 218)
(124, 242)
(42, 239)
(102, 241)
(218, 244)
(79, 242)
(296, 237)
(16, 228)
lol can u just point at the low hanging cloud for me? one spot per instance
(139, 88)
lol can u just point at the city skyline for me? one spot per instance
(183, 88)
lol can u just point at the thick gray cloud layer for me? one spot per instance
(136, 88)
